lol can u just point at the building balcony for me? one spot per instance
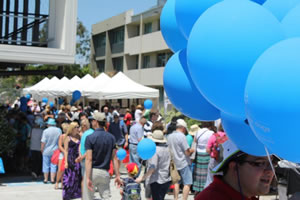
(145, 43)
(149, 76)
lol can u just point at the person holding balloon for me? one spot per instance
(158, 167)
(136, 135)
(244, 176)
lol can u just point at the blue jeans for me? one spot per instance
(133, 156)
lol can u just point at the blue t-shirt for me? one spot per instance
(102, 144)
(83, 138)
(50, 138)
(136, 133)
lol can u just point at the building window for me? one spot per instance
(162, 58)
(117, 40)
(138, 30)
(136, 62)
(148, 28)
(101, 65)
(146, 61)
(99, 44)
(118, 64)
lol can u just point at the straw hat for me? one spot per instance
(194, 129)
(158, 136)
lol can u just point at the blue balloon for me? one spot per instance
(272, 98)
(291, 23)
(121, 154)
(23, 104)
(72, 102)
(280, 8)
(51, 104)
(260, 2)
(182, 92)
(45, 100)
(146, 148)
(148, 104)
(188, 11)
(221, 55)
(76, 95)
(242, 136)
(28, 96)
(60, 101)
(169, 28)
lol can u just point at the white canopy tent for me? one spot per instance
(122, 87)
(92, 91)
(33, 88)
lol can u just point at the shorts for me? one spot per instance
(186, 175)
(47, 165)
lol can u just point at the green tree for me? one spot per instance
(83, 42)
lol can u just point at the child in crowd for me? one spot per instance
(131, 190)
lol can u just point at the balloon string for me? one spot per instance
(270, 161)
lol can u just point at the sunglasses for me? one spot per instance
(261, 164)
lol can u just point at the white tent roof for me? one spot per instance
(33, 88)
(122, 87)
(43, 89)
(57, 88)
(93, 90)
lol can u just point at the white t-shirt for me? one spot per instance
(202, 137)
(137, 115)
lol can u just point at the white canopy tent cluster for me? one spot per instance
(102, 87)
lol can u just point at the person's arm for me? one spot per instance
(126, 141)
(60, 142)
(116, 166)
(88, 169)
(189, 151)
(149, 173)
(66, 149)
(42, 147)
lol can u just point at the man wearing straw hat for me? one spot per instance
(244, 176)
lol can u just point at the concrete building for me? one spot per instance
(36, 32)
(132, 44)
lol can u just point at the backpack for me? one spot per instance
(217, 146)
(132, 190)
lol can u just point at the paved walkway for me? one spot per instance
(20, 188)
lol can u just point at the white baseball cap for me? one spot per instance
(181, 122)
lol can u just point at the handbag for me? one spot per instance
(55, 157)
(2, 171)
(175, 177)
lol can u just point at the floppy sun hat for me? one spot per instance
(158, 136)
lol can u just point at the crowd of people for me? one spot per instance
(84, 141)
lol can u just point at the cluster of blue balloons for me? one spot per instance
(237, 60)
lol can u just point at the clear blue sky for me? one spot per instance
(93, 11)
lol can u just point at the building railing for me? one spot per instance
(24, 29)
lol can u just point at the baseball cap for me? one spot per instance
(181, 122)
(230, 151)
(99, 116)
(132, 169)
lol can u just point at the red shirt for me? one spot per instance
(219, 190)
(128, 119)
